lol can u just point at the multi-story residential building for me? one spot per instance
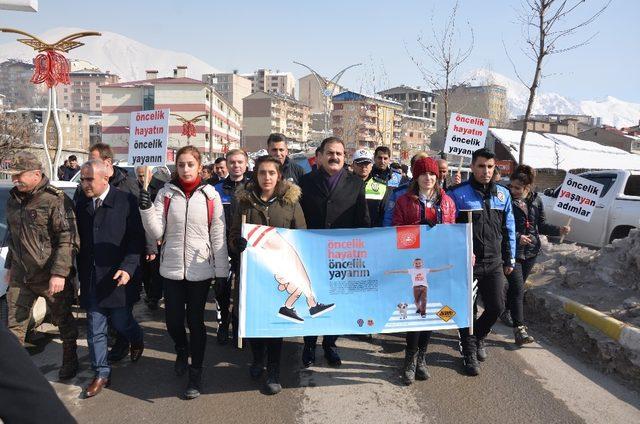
(84, 93)
(486, 101)
(268, 81)
(266, 113)
(416, 135)
(416, 102)
(567, 126)
(610, 136)
(366, 121)
(15, 84)
(312, 94)
(584, 122)
(75, 132)
(231, 86)
(217, 132)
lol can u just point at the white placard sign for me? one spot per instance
(577, 197)
(465, 134)
(148, 135)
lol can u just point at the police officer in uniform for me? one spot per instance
(42, 241)
(375, 189)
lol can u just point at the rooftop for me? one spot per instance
(352, 95)
(551, 151)
(156, 81)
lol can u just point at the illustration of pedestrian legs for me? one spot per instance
(292, 278)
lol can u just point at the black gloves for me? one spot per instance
(242, 244)
(144, 201)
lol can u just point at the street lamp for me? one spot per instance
(51, 68)
(327, 88)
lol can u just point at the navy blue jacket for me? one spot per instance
(111, 239)
(494, 233)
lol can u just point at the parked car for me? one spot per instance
(616, 213)
(39, 310)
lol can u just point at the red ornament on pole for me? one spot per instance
(188, 129)
(52, 68)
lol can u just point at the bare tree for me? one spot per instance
(545, 25)
(445, 55)
(16, 134)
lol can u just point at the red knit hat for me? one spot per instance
(424, 165)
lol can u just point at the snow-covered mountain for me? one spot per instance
(613, 111)
(114, 53)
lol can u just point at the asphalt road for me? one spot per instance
(535, 384)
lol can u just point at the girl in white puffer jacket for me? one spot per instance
(189, 218)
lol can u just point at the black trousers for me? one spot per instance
(491, 283)
(272, 347)
(515, 289)
(182, 299)
(327, 341)
(151, 279)
(417, 340)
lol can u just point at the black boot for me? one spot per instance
(257, 366)
(469, 355)
(69, 367)
(506, 318)
(422, 373)
(272, 385)
(409, 367)
(182, 361)
(194, 387)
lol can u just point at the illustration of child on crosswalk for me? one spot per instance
(288, 271)
(419, 280)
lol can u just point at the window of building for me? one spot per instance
(148, 98)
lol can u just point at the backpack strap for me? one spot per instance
(167, 203)
(210, 209)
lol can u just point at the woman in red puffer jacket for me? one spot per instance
(424, 203)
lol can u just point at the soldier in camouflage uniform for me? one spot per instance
(42, 244)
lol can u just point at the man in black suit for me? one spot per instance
(332, 197)
(111, 242)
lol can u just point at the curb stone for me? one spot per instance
(611, 345)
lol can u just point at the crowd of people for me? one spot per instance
(181, 235)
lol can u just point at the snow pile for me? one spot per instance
(613, 111)
(112, 52)
(607, 279)
(558, 151)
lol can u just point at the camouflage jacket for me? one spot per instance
(43, 237)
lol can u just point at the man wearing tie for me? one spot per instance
(111, 242)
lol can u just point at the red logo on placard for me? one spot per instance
(408, 237)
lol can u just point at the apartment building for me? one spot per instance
(416, 102)
(231, 86)
(610, 136)
(312, 94)
(367, 121)
(268, 81)
(84, 93)
(416, 135)
(15, 84)
(266, 113)
(219, 131)
(567, 126)
(487, 101)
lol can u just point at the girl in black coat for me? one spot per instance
(530, 223)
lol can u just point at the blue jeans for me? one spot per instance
(122, 321)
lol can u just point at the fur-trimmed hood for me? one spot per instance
(288, 192)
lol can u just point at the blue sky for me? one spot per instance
(329, 35)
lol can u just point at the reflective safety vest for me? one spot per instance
(374, 189)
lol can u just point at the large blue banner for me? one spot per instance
(354, 281)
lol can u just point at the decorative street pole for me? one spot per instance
(51, 68)
(188, 127)
(328, 87)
